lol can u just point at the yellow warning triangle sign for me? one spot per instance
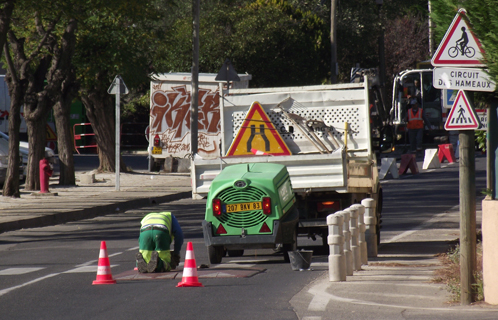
(50, 134)
(258, 135)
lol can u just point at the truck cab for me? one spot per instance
(417, 84)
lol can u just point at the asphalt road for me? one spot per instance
(53, 268)
(47, 273)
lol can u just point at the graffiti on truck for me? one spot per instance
(170, 118)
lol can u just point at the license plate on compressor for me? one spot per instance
(245, 206)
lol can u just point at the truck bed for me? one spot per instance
(325, 173)
(311, 169)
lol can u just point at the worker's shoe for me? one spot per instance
(152, 265)
(141, 264)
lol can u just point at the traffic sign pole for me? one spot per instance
(118, 120)
(467, 215)
(117, 87)
(461, 48)
(492, 149)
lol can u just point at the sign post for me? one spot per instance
(461, 48)
(117, 87)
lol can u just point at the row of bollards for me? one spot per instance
(352, 239)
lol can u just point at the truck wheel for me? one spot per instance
(235, 253)
(325, 241)
(152, 164)
(216, 253)
(290, 247)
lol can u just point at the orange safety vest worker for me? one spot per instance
(415, 120)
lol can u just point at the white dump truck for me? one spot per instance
(325, 136)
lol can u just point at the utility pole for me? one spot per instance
(430, 29)
(194, 101)
(333, 42)
(382, 56)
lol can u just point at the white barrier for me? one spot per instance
(335, 239)
(431, 159)
(388, 165)
(361, 233)
(370, 225)
(355, 248)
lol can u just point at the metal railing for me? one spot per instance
(84, 140)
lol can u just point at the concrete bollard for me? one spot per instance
(335, 239)
(355, 248)
(370, 224)
(348, 255)
(361, 234)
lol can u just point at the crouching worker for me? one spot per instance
(157, 232)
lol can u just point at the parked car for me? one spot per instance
(4, 160)
(24, 150)
(4, 156)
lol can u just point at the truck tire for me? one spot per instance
(216, 253)
(235, 253)
(152, 164)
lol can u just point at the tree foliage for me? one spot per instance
(276, 43)
(38, 39)
(118, 38)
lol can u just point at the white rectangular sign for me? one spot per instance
(483, 119)
(470, 79)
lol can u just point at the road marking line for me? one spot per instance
(423, 225)
(17, 271)
(86, 269)
(4, 291)
(114, 254)
(86, 263)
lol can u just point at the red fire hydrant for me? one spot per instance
(45, 173)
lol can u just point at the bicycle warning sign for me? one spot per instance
(460, 47)
(462, 115)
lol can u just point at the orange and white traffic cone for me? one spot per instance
(104, 275)
(189, 278)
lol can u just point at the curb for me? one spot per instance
(88, 213)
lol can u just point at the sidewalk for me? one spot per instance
(398, 283)
(89, 200)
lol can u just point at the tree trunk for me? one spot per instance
(36, 123)
(64, 142)
(64, 79)
(100, 111)
(11, 185)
